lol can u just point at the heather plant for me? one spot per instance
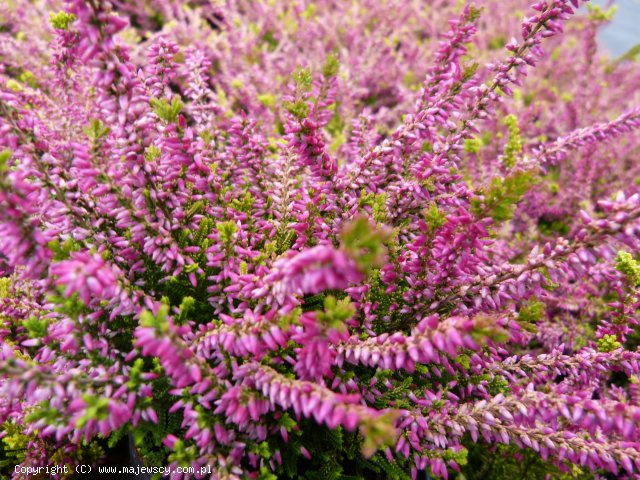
(289, 239)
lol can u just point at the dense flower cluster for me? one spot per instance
(295, 239)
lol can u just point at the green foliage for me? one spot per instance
(464, 360)
(513, 148)
(497, 43)
(167, 111)
(135, 374)
(5, 287)
(194, 209)
(485, 327)
(549, 284)
(290, 462)
(183, 455)
(530, 313)
(388, 318)
(330, 470)
(28, 78)
(50, 415)
(147, 435)
(434, 217)
(366, 198)
(630, 267)
(302, 78)
(460, 456)
(335, 454)
(284, 241)
(391, 397)
(61, 20)
(265, 474)
(378, 433)
(608, 343)
(473, 14)
(503, 195)
(157, 322)
(204, 229)
(377, 202)
(90, 454)
(13, 446)
(299, 109)
(226, 230)
(426, 146)
(97, 408)
(261, 449)
(336, 312)
(331, 66)
(364, 243)
(393, 470)
(498, 385)
(5, 156)
(472, 145)
(152, 153)
(14, 85)
(96, 130)
(63, 251)
(317, 302)
(70, 306)
(335, 128)
(151, 204)
(270, 39)
(244, 204)
(187, 306)
(36, 327)
(508, 462)
(268, 100)
(287, 422)
(597, 13)
(379, 207)
(631, 55)
(469, 71)
(552, 227)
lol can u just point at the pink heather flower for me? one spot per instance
(310, 272)
(316, 357)
(87, 275)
